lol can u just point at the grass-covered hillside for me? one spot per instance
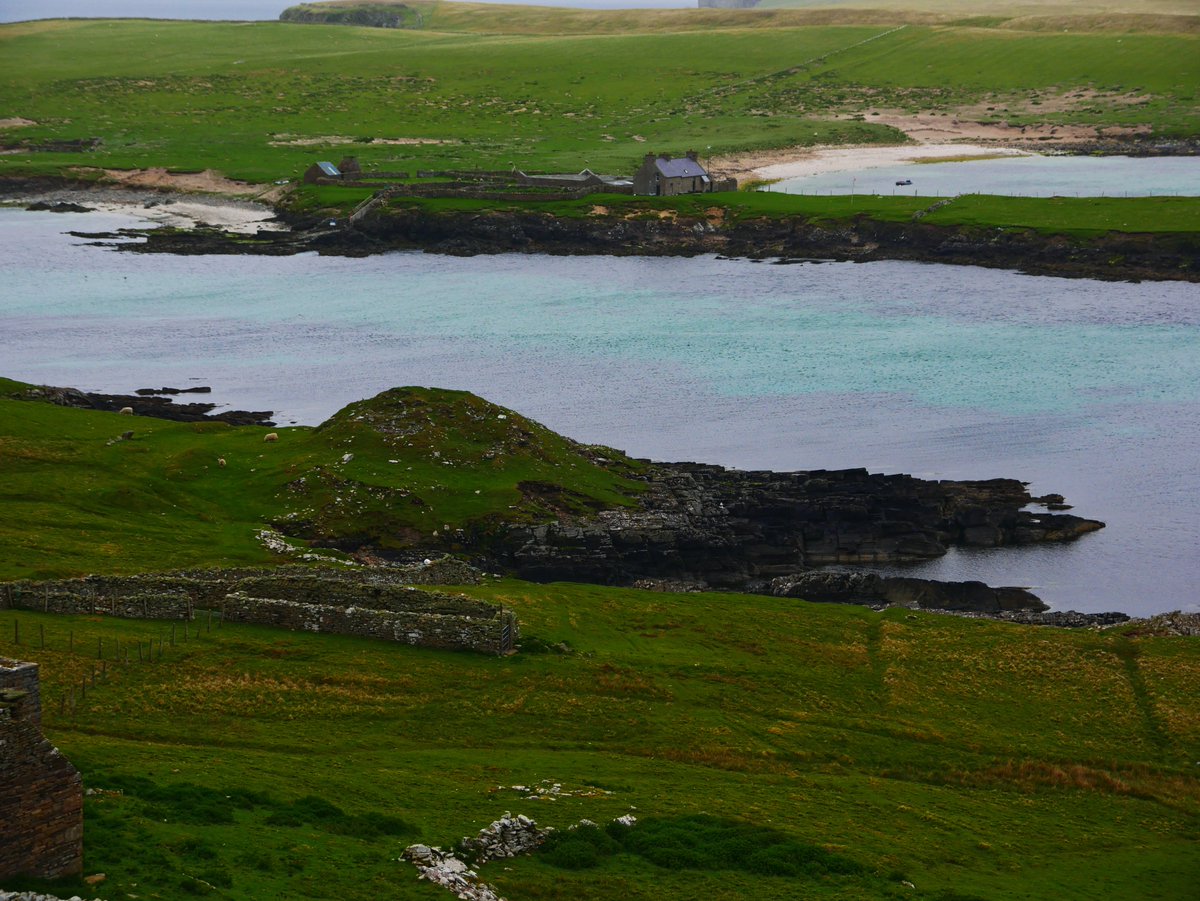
(973, 760)
(411, 466)
(261, 101)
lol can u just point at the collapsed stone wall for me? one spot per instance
(176, 595)
(478, 627)
(41, 793)
(368, 602)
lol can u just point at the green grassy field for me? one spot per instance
(261, 101)
(975, 760)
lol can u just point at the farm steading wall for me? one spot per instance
(373, 603)
(489, 630)
(41, 793)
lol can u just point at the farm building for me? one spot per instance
(323, 171)
(585, 179)
(662, 174)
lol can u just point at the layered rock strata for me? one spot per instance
(710, 527)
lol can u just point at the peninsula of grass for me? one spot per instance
(414, 466)
(770, 748)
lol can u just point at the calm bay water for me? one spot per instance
(1087, 388)
(1018, 176)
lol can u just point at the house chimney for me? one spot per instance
(691, 155)
(650, 158)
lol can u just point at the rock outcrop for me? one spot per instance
(506, 837)
(144, 404)
(706, 526)
(925, 594)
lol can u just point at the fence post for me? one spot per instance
(16, 631)
(42, 635)
(100, 648)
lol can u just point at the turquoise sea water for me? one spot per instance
(1024, 176)
(1087, 388)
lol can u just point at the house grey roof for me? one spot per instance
(329, 169)
(680, 168)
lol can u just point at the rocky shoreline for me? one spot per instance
(1113, 256)
(702, 527)
(1110, 257)
(147, 402)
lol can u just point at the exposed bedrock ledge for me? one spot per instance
(1108, 256)
(711, 527)
(1111, 256)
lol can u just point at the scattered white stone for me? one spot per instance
(346, 458)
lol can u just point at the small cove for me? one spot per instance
(1086, 388)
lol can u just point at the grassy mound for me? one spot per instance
(413, 466)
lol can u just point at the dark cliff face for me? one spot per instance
(1111, 256)
(707, 526)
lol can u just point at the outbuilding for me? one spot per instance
(323, 171)
(665, 175)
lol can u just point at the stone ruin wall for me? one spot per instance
(376, 603)
(490, 630)
(41, 793)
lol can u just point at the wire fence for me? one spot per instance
(20, 639)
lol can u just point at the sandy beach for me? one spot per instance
(157, 208)
(932, 137)
(847, 159)
(169, 199)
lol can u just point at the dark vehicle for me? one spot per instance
(904, 181)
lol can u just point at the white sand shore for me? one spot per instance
(231, 216)
(161, 209)
(849, 159)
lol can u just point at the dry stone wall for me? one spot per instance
(374, 602)
(80, 596)
(41, 793)
(478, 627)
(174, 595)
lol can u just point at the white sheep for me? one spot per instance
(221, 461)
(271, 436)
(126, 411)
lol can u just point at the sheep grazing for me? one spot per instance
(126, 411)
(220, 461)
(271, 436)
